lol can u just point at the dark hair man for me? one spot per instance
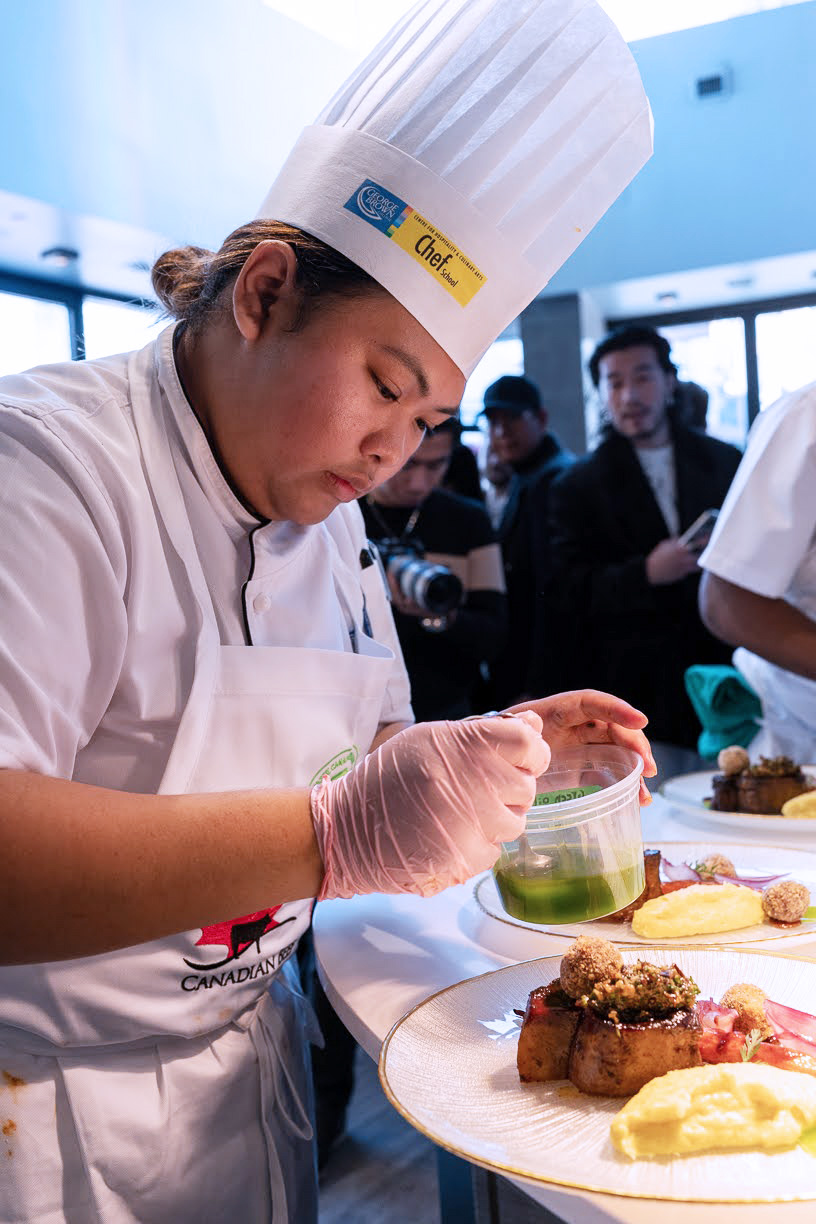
(443, 652)
(519, 435)
(626, 580)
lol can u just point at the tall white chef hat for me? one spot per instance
(466, 158)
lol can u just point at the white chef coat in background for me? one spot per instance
(765, 541)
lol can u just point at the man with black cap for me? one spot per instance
(519, 435)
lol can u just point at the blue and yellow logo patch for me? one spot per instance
(398, 221)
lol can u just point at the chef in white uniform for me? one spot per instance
(759, 587)
(203, 709)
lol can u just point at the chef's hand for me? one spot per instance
(430, 807)
(588, 716)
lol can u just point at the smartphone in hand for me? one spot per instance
(696, 536)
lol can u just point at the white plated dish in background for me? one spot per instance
(449, 1067)
(749, 860)
(687, 792)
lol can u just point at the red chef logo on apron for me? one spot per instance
(238, 935)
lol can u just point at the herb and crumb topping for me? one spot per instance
(735, 760)
(641, 992)
(774, 767)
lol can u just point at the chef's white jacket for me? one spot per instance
(97, 641)
(765, 541)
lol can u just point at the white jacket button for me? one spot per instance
(261, 603)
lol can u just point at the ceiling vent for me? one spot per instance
(716, 84)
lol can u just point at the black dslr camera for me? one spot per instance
(434, 588)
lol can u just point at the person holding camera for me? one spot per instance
(445, 578)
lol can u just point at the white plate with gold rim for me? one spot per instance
(749, 860)
(449, 1067)
(687, 794)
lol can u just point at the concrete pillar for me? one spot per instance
(551, 335)
(559, 333)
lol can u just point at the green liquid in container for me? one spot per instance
(562, 897)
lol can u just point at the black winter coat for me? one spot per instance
(619, 633)
(523, 546)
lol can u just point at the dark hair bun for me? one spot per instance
(178, 278)
(192, 283)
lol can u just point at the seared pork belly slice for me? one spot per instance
(549, 1025)
(764, 796)
(609, 1059)
(725, 797)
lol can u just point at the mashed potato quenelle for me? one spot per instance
(730, 1105)
(802, 807)
(702, 909)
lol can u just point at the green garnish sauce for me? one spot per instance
(562, 897)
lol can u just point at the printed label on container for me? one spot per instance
(397, 220)
(561, 796)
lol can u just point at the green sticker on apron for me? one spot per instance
(339, 764)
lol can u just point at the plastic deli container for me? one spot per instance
(581, 855)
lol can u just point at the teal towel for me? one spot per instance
(726, 705)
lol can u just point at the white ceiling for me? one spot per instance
(359, 24)
(725, 285)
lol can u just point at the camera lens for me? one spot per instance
(434, 588)
(441, 590)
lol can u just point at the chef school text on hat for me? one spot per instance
(468, 155)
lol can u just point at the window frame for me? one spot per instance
(73, 297)
(70, 296)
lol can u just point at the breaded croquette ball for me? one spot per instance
(732, 760)
(786, 901)
(749, 1001)
(717, 864)
(587, 961)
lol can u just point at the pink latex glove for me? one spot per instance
(430, 807)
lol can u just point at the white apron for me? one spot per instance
(169, 1082)
(788, 723)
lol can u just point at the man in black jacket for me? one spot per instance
(626, 582)
(518, 434)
